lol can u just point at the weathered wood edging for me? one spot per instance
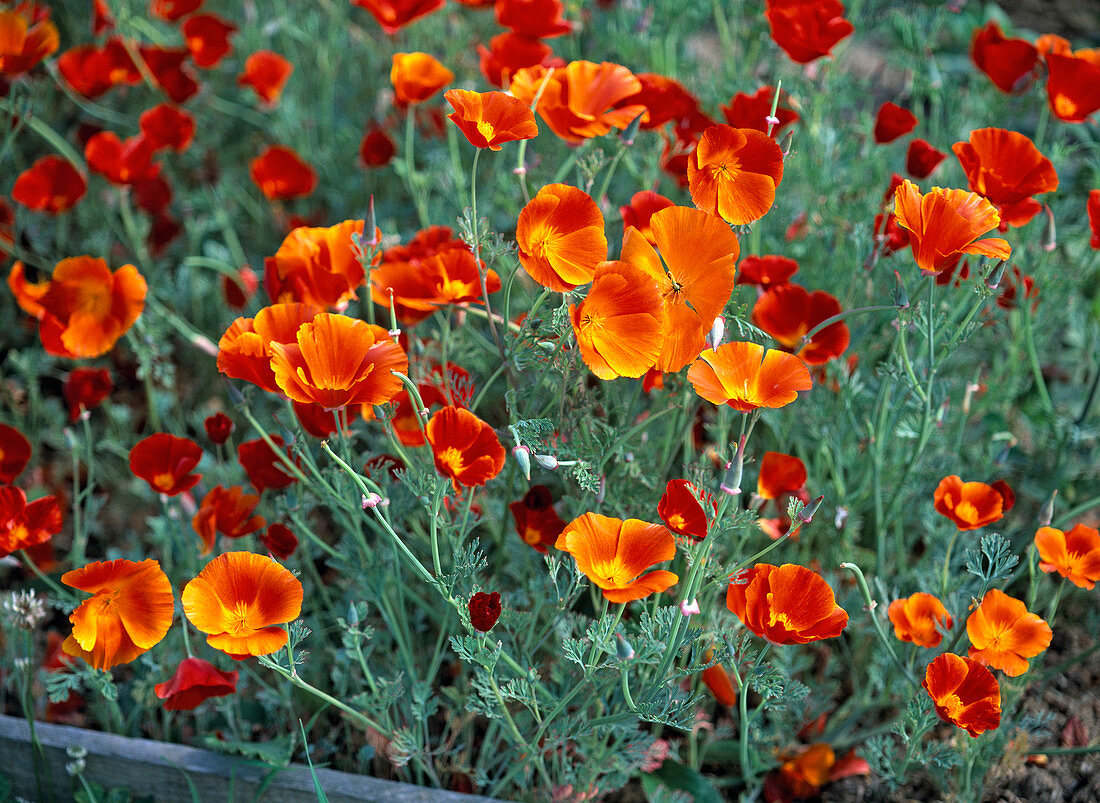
(161, 769)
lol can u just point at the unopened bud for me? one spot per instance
(373, 500)
(840, 518)
(372, 225)
(547, 461)
(353, 615)
(901, 297)
(631, 131)
(623, 648)
(806, 514)
(993, 280)
(523, 457)
(731, 482)
(1050, 231)
(1046, 512)
(689, 608)
(785, 145)
(602, 490)
(717, 332)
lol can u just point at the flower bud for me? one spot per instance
(731, 482)
(623, 648)
(1046, 512)
(785, 145)
(993, 280)
(901, 298)
(689, 608)
(631, 131)
(1050, 231)
(353, 615)
(717, 332)
(547, 461)
(523, 457)
(806, 514)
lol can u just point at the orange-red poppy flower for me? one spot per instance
(922, 158)
(621, 322)
(685, 509)
(280, 541)
(665, 100)
(971, 505)
(788, 311)
(423, 285)
(173, 10)
(84, 308)
(802, 774)
(169, 68)
(417, 76)
(281, 174)
(1073, 85)
(920, 618)
(747, 376)
(766, 271)
(945, 223)
(718, 680)
(560, 234)
(892, 121)
(316, 266)
(26, 37)
(377, 148)
(640, 211)
(194, 682)
(613, 553)
(695, 274)
(1003, 635)
(464, 447)
(753, 111)
(484, 610)
(509, 52)
(1075, 554)
(239, 600)
(580, 100)
(207, 37)
(15, 453)
(336, 361)
(50, 185)
(123, 163)
(806, 30)
(1007, 169)
(1009, 63)
(90, 71)
(228, 511)
(1093, 211)
(780, 474)
(129, 614)
(167, 126)
(166, 462)
(964, 693)
(238, 288)
(488, 119)
(244, 351)
(24, 525)
(733, 173)
(267, 73)
(786, 604)
(393, 15)
(264, 467)
(218, 427)
(537, 523)
(539, 19)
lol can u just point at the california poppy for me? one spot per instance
(786, 604)
(788, 312)
(964, 693)
(922, 158)
(239, 600)
(747, 376)
(194, 682)
(166, 462)
(266, 73)
(919, 618)
(971, 505)
(1093, 211)
(420, 286)
(1073, 85)
(537, 523)
(218, 427)
(806, 30)
(281, 174)
(26, 38)
(264, 467)
(50, 185)
(686, 509)
(639, 212)
(465, 448)
(766, 271)
(229, 511)
(560, 234)
(130, 612)
(539, 19)
(945, 223)
(316, 266)
(620, 324)
(170, 69)
(484, 610)
(1006, 168)
(121, 162)
(780, 474)
(335, 361)
(892, 121)
(279, 540)
(207, 37)
(614, 553)
(167, 126)
(734, 172)
(665, 100)
(238, 288)
(488, 119)
(1004, 635)
(753, 111)
(717, 679)
(24, 525)
(1075, 554)
(393, 15)
(377, 148)
(509, 52)
(15, 453)
(173, 10)
(244, 351)
(84, 308)
(417, 76)
(1016, 286)
(90, 71)
(580, 101)
(1009, 63)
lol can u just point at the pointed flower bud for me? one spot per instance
(1046, 513)
(806, 515)
(901, 297)
(993, 280)
(547, 461)
(623, 648)
(523, 457)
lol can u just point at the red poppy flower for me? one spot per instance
(766, 271)
(1003, 635)
(806, 30)
(423, 285)
(239, 289)
(538, 19)
(752, 111)
(964, 693)
(122, 163)
(484, 610)
(24, 524)
(281, 174)
(922, 159)
(174, 10)
(218, 427)
(780, 474)
(464, 447)
(1009, 63)
(167, 65)
(1073, 85)
(263, 466)
(90, 71)
(152, 195)
(537, 523)
(971, 505)
(580, 100)
(194, 682)
(747, 376)
(640, 211)
(788, 311)
(393, 15)
(15, 453)
(280, 541)
(1093, 211)
(507, 53)
(1017, 285)
(377, 148)
(316, 266)
(226, 511)
(920, 618)
(892, 121)
(49, 185)
(207, 37)
(665, 100)
(166, 462)
(1006, 168)
(1075, 554)
(26, 37)
(488, 119)
(785, 604)
(891, 237)
(267, 73)
(167, 126)
(734, 172)
(614, 553)
(684, 509)
(560, 234)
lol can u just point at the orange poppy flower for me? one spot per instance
(620, 324)
(684, 509)
(1007, 169)
(423, 285)
(1009, 63)
(747, 376)
(1093, 211)
(580, 100)
(239, 600)
(244, 351)
(640, 211)
(85, 388)
(922, 158)
(537, 523)
(336, 361)
(733, 173)
(316, 266)
(786, 604)
(753, 111)
(509, 52)
(802, 775)
(24, 525)
(26, 37)
(780, 474)
(166, 462)
(226, 511)
(488, 119)
(964, 693)
(50, 185)
(892, 121)
(945, 223)
(267, 73)
(695, 275)
(788, 311)
(281, 174)
(1073, 85)
(971, 505)
(167, 126)
(1075, 554)
(560, 234)
(15, 453)
(194, 682)
(207, 37)
(919, 619)
(1004, 635)
(130, 613)
(718, 680)
(539, 19)
(417, 76)
(265, 469)
(766, 271)
(84, 308)
(806, 30)
(393, 15)
(613, 553)
(464, 447)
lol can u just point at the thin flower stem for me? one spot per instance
(40, 127)
(186, 636)
(626, 689)
(411, 178)
(436, 502)
(298, 681)
(1033, 361)
(806, 338)
(415, 398)
(871, 607)
(947, 561)
(45, 578)
(482, 270)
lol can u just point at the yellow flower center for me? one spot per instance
(486, 130)
(777, 617)
(163, 481)
(953, 706)
(237, 620)
(967, 512)
(451, 458)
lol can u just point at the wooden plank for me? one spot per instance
(160, 769)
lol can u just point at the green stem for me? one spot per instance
(871, 606)
(806, 338)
